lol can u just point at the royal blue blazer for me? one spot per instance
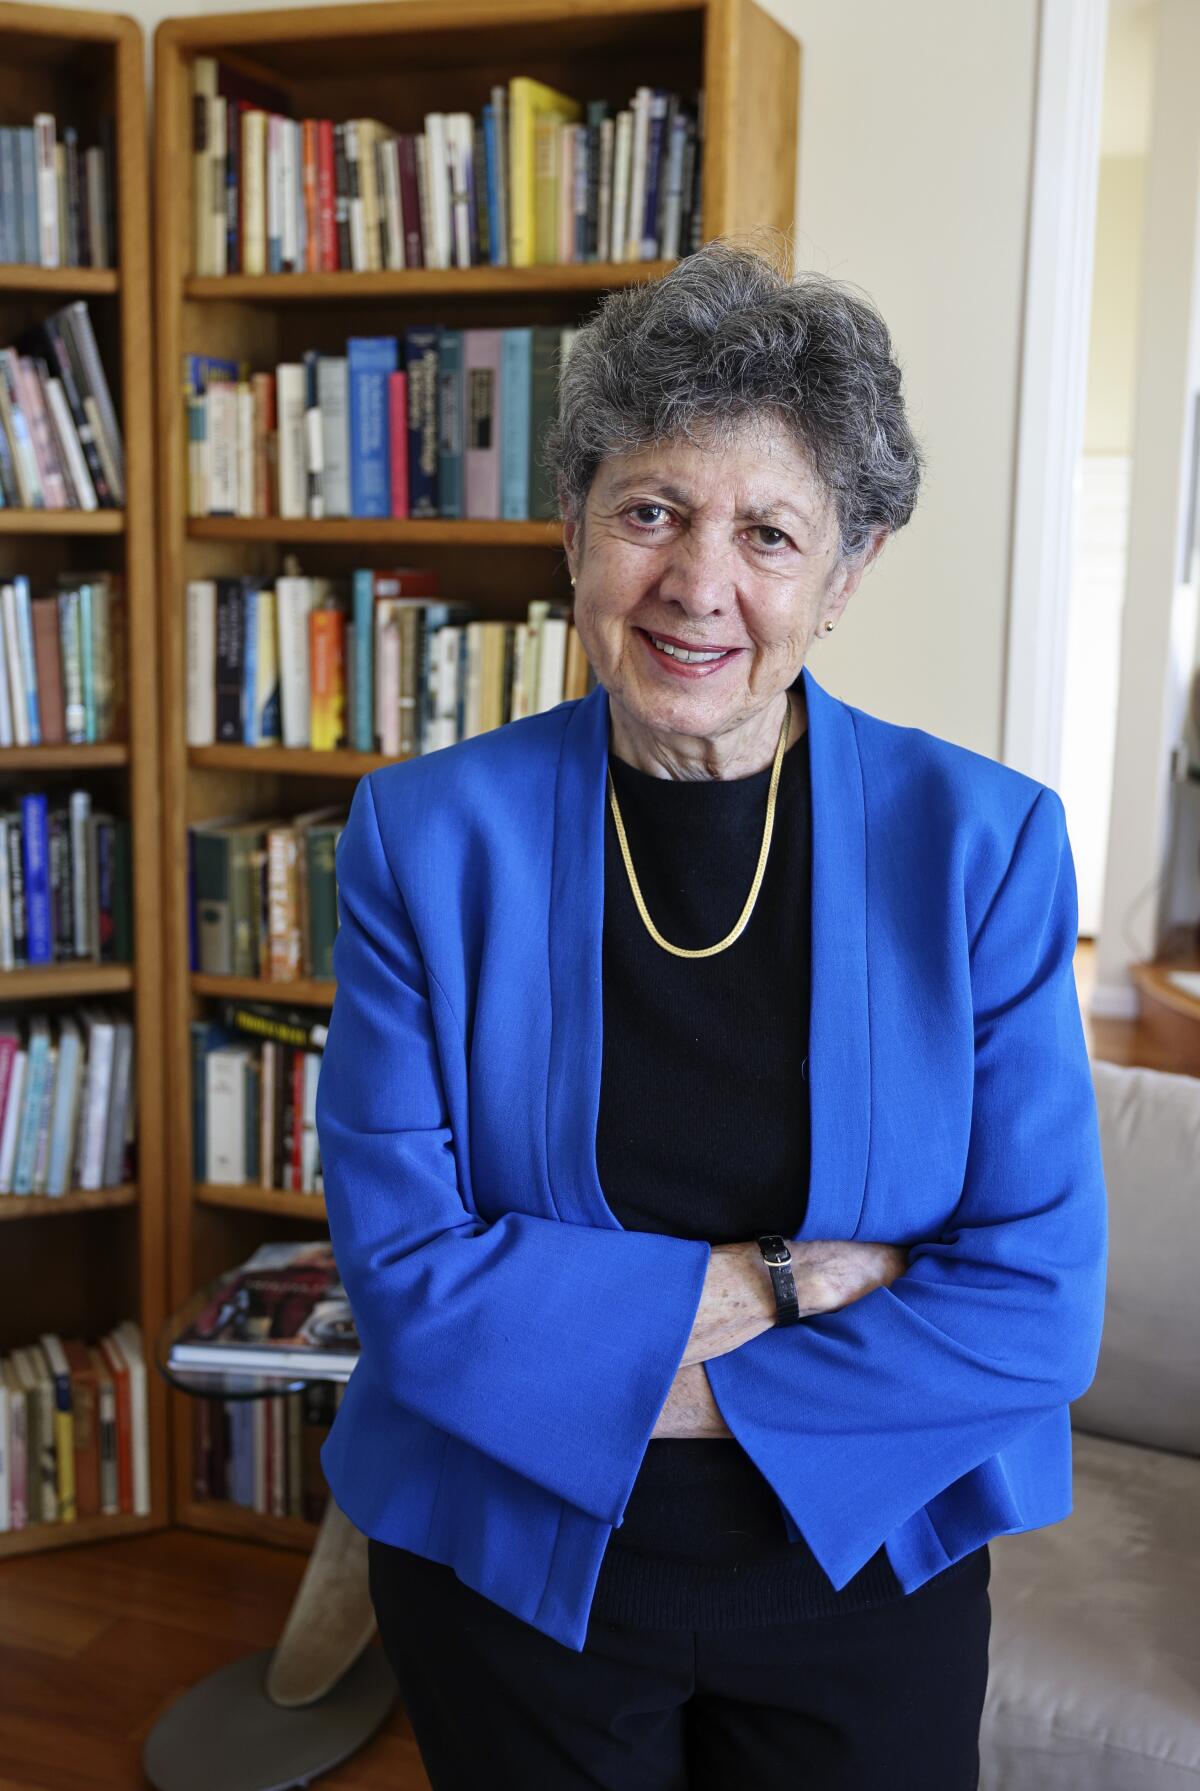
(518, 1343)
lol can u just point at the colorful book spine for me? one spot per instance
(35, 841)
(362, 725)
(451, 497)
(516, 361)
(371, 359)
(421, 355)
(397, 392)
(482, 401)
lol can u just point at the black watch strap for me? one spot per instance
(778, 1258)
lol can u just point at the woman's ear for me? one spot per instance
(570, 546)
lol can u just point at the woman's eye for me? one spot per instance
(638, 511)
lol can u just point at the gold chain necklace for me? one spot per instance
(740, 924)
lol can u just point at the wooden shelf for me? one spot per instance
(62, 522)
(423, 283)
(375, 531)
(221, 1518)
(72, 282)
(283, 1202)
(308, 992)
(36, 982)
(79, 756)
(297, 761)
(37, 1537)
(82, 1200)
(83, 66)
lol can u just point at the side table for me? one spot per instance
(283, 1716)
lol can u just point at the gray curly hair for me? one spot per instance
(727, 338)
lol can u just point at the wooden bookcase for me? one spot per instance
(394, 62)
(81, 1263)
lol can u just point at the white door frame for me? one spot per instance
(1058, 297)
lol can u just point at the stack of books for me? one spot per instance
(254, 1091)
(376, 663)
(435, 423)
(66, 882)
(263, 895)
(57, 201)
(74, 1437)
(61, 446)
(67, 1105)
(282, 1313)
(62, 661)
(536, 179)
(265, 1454)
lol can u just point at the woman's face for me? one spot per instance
(731, 547)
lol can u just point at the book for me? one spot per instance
(421, 359)
(529, 100)
(283, 1312)
(126, 1340)
(371, 359)
(482, 399)
(64, 1428)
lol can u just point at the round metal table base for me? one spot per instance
(227, 1733)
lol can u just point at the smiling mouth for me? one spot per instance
(675, 653)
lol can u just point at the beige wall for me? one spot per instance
(1108, 425)
(914, 180)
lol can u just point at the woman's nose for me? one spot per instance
(701, 573)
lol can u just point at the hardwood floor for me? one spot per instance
(96, 1642)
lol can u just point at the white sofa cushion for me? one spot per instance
(1147, 1385)
(1094, 1657)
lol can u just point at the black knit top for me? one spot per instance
(703, 1132)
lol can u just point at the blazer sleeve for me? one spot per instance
(549, 1346)
(859, 1418)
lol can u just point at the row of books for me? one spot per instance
(67, 1102)
(535, 179)
(265, 1454)
(283, 1313)
(61, 446)
(57, 198)
(66, 882)
(376, 663)
(62, 660)
(437, 422)
(263, 895)
(74, 1436)
(254, 1090)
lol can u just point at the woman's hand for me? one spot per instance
(738, 1301)
(690, 1409)
(843, 1272)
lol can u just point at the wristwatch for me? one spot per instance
(778, 1258)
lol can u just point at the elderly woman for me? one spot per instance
(709, 1140)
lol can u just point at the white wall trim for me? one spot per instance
(1058, 295)
(1114, 1001)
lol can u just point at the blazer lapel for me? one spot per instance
(839, 1057)
(839, 1037)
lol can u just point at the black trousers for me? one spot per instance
(886, 1699)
